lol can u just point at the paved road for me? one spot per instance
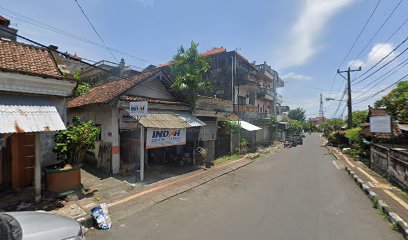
(297, 193)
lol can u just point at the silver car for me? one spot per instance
(38, 226)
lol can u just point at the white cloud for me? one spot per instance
(308, 28)
(377, 52)
(296, 76)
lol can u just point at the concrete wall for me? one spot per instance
(391, 162)
(46, 138)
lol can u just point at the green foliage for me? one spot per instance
(274, 121)
(297, 114)
(332, 125)
(189, 69)
(231, 127)
(82, 88)
(359, 117)
(226, 158)
(396, 102)
(295, 126)
(71, 144)
(308, 127)
(354, 134)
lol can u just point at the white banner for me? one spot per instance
(380, 124)
(137, 108)
(157, 138)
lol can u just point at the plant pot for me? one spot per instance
(63, 180)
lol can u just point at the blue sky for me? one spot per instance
(304, 40)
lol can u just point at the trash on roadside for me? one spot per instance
(101, 216)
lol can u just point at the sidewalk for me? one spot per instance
(393, 200)
(125, 201)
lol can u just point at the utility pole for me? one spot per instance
(349, 104)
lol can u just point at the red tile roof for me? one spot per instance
(109, 91)
(214, 51)
(27, 59)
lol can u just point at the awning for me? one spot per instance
(190, 119)
(170, 120)
(20, 114)
(247, 126)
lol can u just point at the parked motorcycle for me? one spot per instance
(287, 144)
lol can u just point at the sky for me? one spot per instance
(306, 41)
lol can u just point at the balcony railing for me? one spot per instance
(279, 98)
(265, 93)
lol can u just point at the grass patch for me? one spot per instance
(226, 159)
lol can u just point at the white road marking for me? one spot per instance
(335, 164)
(371, 184)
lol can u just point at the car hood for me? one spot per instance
(43, 225)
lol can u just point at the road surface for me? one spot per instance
(297, 193)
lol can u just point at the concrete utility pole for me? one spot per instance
(349, 104)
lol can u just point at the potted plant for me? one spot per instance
(70, 148)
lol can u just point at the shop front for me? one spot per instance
(169, 140)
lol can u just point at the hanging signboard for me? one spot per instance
(157, 138)
(137, 109)
(380, 124)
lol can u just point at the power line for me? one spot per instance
(48, 27)
(353, 45)
(384, 89)
(386, 64)
(100, 37)
(362, 30)
(383, 77)
(378, 30)
(391, 36)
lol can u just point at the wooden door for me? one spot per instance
(23, 160)
(5, 164)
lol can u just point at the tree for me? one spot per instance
(396, 102)
(189, 69)
(332, 125)
(359, 117)
(295, 126)
(297, 114)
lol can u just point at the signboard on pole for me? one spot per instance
(137, 109)
(380, 124)
(157, 138)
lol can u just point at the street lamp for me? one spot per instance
(332, 99)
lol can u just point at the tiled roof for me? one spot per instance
(214, 51)
(27, 59)
(150, 100)
(107, 92)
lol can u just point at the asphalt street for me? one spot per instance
(297, 193)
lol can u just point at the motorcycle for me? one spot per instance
(287, 144)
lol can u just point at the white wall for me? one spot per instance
(152, 88)
(107, 117)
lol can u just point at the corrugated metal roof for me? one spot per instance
(403, 127)
(163, 120)
(190, 119)
(20, 114)
(249, 127)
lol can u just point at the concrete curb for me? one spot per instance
(392, 217)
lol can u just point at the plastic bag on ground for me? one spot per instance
(101, 216)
